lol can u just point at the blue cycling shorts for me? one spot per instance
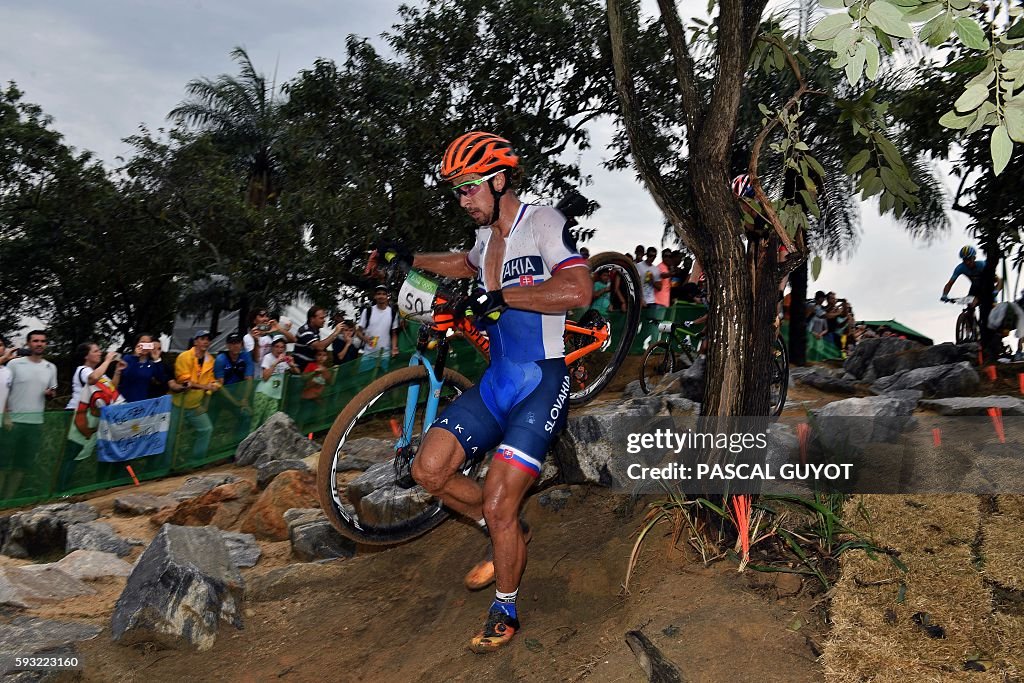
(518, 407)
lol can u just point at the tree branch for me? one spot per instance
(693, 108)
(638, 134)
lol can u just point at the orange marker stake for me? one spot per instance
(937, 436)
(991, 372)
(132, 473)
(311, 436)
(1020, 380)
(395, 428)
(803, 433)
(997, 421)
(980, 360)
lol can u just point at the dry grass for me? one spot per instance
(875, 637)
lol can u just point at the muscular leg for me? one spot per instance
(503, 493)
(436, 469)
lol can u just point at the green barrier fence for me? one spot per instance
(37, 462)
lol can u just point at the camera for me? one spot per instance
(263, 328)
(147, 346)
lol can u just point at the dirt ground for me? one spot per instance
(403, 614)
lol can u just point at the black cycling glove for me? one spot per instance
(490, 305)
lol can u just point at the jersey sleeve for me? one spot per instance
(473, 255)
(557, 246)
(218, 367)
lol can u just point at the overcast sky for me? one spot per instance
(101, 68)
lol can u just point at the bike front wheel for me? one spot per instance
(966, 328)
(596, 344)
(658, 362)
(778, 377)
(363, 477)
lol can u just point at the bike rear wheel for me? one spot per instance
(590, 374)
(360, 469)
(779, 377)
(658, 362)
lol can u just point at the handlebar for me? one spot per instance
(959, 301)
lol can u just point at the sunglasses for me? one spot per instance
(471, 187)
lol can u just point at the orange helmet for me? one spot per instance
(477, 152)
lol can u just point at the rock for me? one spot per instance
(197, 486)
(974, 405)
(242, 548)
(319, 541)
(37, 585)
(221, 507)
(290, 489)
(297, 516)
(379, 502)
(142, 503)
(369, 450)
(824, 380)
(285, 581)
(87, 565)
(27, 636)
(846, 426)
(861, 359)
(43, 530)
(936, 382)
(633, 390)
(554, 499)
(180, 591)
(266, 472)
(691, 380)
(96, 536)
(924, 357)
(277, 439)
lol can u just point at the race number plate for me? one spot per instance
(416, 298)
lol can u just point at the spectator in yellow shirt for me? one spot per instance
(193, 371)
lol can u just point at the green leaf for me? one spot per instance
(818, 168)
(951, 120)
(815, 267)
(936, 31)
(845, 40)
(872, 60)
(889, 18)
(890, 179)
(970, 33)
(855, 67)
(873, 187)
(858, 162)
(924, 13)
(971, 98)
(970, 65)
(1002, 149)
(830, 26)
(1015, 121)
(1017, 30)
(764, 110)
(832, 4)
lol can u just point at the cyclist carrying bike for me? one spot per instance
(529, 273)
(973, 268)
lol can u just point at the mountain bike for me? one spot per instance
(363, 475)
(680, 349)
(967, 327)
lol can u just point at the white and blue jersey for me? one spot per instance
(537, 247)
(521, 402)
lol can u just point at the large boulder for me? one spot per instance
(290, 489)
(266, 472)
(96, 536)
(380, 502)
(847, 426)
(277, 439)
(37, 585)
(975, 405)
(923, 357)
(824, 379)
(935, 382)
(89, 565)
(27, 636)
(42, 530)
(860, 362)
(181, 590)
(221, 507)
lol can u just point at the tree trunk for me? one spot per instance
(798, 315)
(215, 321)
(243, 314)
(991, 342)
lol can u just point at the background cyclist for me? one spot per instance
(973, 268)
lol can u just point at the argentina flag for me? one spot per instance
(133, 430)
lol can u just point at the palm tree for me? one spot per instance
(242, 114)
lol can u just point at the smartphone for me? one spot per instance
(263, 328)
(147, 346)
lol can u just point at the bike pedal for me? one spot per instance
(405, 481)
